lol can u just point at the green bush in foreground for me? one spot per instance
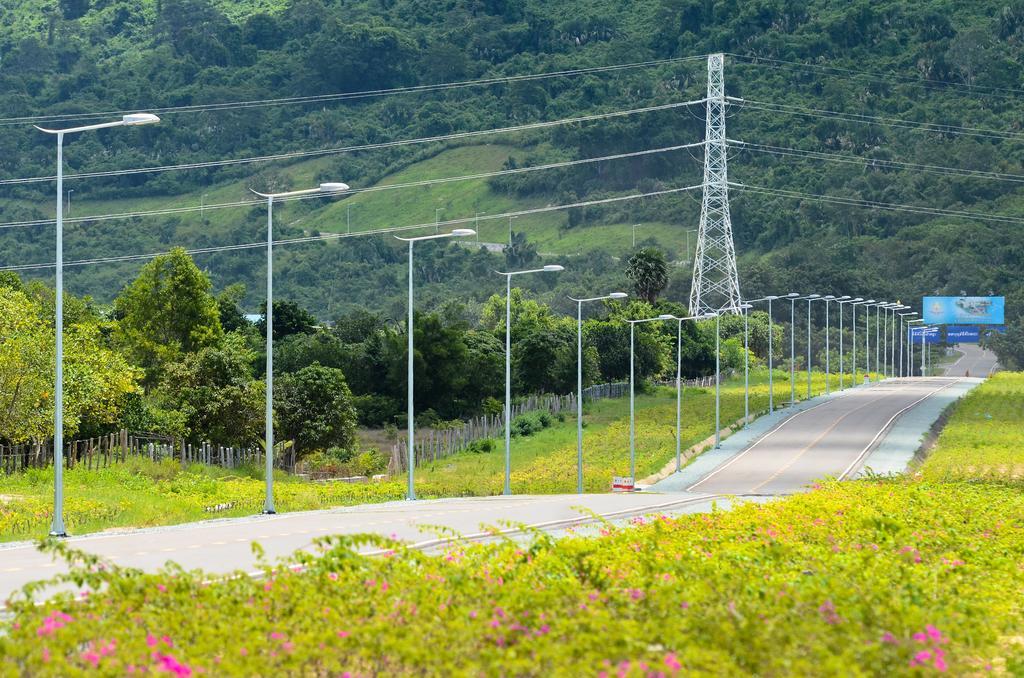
(880, 578)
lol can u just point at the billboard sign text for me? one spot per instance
(964, 310)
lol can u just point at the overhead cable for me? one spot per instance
(370, 189)
(343, 96)
(381, 231)
(363, 147)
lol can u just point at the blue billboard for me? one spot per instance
(962, 334)
(930, 335)
(964, 310)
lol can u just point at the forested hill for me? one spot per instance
(848, 79)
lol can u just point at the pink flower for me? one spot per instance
(672, 663)
(150, 640)
(888, 638)
(161, 588)
(167, 663)
(55, 620)
(921, 658)
(343, 634)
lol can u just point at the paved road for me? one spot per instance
(975, 362)
(222, 546)
(829, 439)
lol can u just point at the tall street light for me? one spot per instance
(793, 296)
(809, 299)
(131, 120)
(326, 188)
(746, 362)
(903, 323)
(867, 350)
(579, 380)
(910, 344)
(842, 373)
(718, 380)
(457, 233)
(828, 348)
(679, 384)
(879, 367)
(632, 389)
(550, 268)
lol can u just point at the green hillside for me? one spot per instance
(938, 62)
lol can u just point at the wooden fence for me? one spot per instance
(434, 444)
(101, 452)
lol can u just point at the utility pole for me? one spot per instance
(715, 282)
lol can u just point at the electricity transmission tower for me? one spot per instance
(715, 283)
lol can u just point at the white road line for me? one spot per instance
(737, 457)
(882, 430)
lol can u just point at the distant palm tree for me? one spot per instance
(648, 271)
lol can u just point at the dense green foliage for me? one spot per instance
(942, 62)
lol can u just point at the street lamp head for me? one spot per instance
(709, 315)
(551, 268)
(139, 119)
(792, 295)
(859, 299)
(617, 295)
(333, 187)
(813, 296)
(829, 297)
(666, 316)
(746, 306)
(771, 297)
(462, 232)
(845, 296)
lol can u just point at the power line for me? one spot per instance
(363, 147)
(874, 119)
(857, 202)
(370, 189)
(927, 83)
(322, 98)
(878, 163)
(380, 231)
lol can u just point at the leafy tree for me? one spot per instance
(1008, 346)
(648, 271)
(520, 253)
(96, 379)
(314, 407)
(228, 306)
(289, 319)
(214, 390)
(166, 312)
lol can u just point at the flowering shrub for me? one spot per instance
(869, 577)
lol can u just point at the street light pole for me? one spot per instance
(632, 389)
(718, 382)
(828, 359)
(746, 364)
(326, 188)
(410, 419)
(679, 385)
(809, 298)
(903, 371)
(579, 381)
(57, 526)
(792, 348)
(846, 299)
(550, 268)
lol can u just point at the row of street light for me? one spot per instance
(335, 188)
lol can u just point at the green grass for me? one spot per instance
(984, 437)
(546, 461)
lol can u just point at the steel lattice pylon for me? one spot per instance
(716, 285)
